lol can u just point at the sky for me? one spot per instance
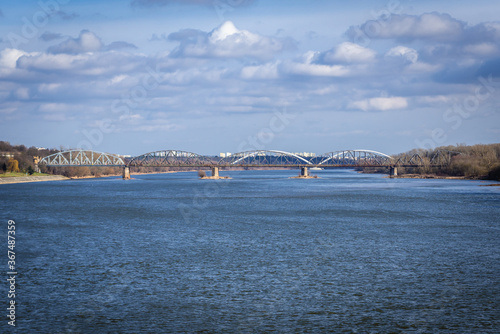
(210, 76)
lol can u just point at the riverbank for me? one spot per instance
(26, 179)
(434, 176)
(429, 176)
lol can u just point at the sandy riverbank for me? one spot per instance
(25, 179)
(431, 176)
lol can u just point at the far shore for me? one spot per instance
(45, 178)
(26, 179)
(433, 176)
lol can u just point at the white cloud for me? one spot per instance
(317, 70)
(380, 103)
(409, 54)
(86, 42)
(9, 57)
(227, 41)
(482, 49)
(265, 71)
(48, 62)
(349, 53)
(432, 26)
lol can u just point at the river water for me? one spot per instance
(259, 253)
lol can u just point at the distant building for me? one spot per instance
(7, 154)
(306, 154)
(225, 155)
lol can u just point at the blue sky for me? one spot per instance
(211, 76)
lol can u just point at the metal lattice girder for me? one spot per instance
(354, 158)
(172, 158)
(263, 158)
(82, 158)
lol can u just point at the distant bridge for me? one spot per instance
(248, 159)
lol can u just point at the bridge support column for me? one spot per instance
(393, 171)
(35, 162)
(215, 172)
(126, 173)
(304, 171)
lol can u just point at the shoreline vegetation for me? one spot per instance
(475, 162)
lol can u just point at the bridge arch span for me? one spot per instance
(347, 157)
(264, 157)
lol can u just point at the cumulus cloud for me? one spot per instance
(316, 70)
(9, 57)
(433, 26)
(86, 42)
(265, 71)
(380, 103)
(482, 49)
(429, 27)
(349, 53)
(87, 64)
(409, 54)
(227, 41)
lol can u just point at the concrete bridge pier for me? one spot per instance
(393, 171)
(215, 172)
(304, 174)
(126, 173)
(35, 162)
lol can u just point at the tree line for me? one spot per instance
(23, 161)
(469, 161)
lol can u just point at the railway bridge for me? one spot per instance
(248, 159)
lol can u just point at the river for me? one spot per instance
(260, 253)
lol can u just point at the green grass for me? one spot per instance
(9, 174)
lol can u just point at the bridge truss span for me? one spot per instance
(172, 158)
(264, 158)
(75, 158)
(354, 158)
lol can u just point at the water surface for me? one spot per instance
(169, 253)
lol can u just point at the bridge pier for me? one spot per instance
(304, 174)
(35, 162)
(126, 173)
(393, 171)
(215, 172)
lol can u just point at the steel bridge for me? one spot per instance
(249, 159)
